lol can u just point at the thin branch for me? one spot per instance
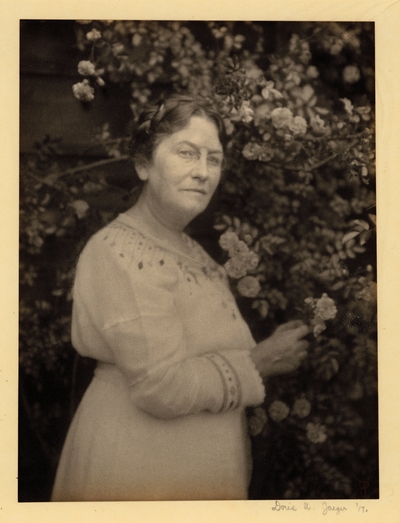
(94, 165)
(316, 165)
(311, 168)
(323, 162)
(333, 137)
(75, 170)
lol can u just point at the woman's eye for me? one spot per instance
(186, 153)
(213, 160)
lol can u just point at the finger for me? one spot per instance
(302, 355)
(303, 345)
(290, 325)
(302, 331)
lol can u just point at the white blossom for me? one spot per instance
(83, 91)
(86, 68)
(249, 287)
(278, 411)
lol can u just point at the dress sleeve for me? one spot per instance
(124, 313)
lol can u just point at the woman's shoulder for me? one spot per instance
(123, 243)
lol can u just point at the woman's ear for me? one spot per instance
(141, 170)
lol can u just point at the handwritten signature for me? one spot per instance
(331, 508)
(326, 508)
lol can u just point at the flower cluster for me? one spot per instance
(242, 260)
(323, 309)
(279, 410)
(84, 91)
(282, 118)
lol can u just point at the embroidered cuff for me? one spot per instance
(230, 382)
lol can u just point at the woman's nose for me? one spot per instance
(201, 168)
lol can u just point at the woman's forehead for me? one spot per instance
(200, 132)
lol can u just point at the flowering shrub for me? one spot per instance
(295, 216)
(323, 309)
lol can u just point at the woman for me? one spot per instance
(163, 418)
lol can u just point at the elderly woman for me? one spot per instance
(164, 416)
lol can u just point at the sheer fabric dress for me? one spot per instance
(163, 418)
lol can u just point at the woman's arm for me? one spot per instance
(124, 313)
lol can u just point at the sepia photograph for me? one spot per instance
(198, 263)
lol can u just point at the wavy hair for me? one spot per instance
(170, 115)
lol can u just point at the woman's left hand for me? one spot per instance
(283, 351)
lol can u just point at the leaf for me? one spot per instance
(372, 217)
(361, 223)
(337, 286)
(364, 237)
(350, 236)
(321, 110)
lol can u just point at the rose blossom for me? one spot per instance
(301, 408)
(281, 117)
(316, 432)
(251, 150)
(325, 308)
(236, 267)
(239, 248)
(298, 125)
(86, 68)
(228, 240)
(93, 35)
(83, 91)
(81, 207)
(249, 287)
(278, 411)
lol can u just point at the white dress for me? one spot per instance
(163, 418)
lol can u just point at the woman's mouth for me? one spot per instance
(196, 190)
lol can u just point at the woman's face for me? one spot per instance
(184, 173)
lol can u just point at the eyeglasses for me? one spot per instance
(191, 154)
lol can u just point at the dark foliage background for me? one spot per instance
(298, 102)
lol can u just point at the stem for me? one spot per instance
(81, 168)
(94, 165)
(308, 138)
(316, 165)
(323, 162)
(91, 57)
(311, 168)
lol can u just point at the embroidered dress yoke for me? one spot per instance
(163, 418)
